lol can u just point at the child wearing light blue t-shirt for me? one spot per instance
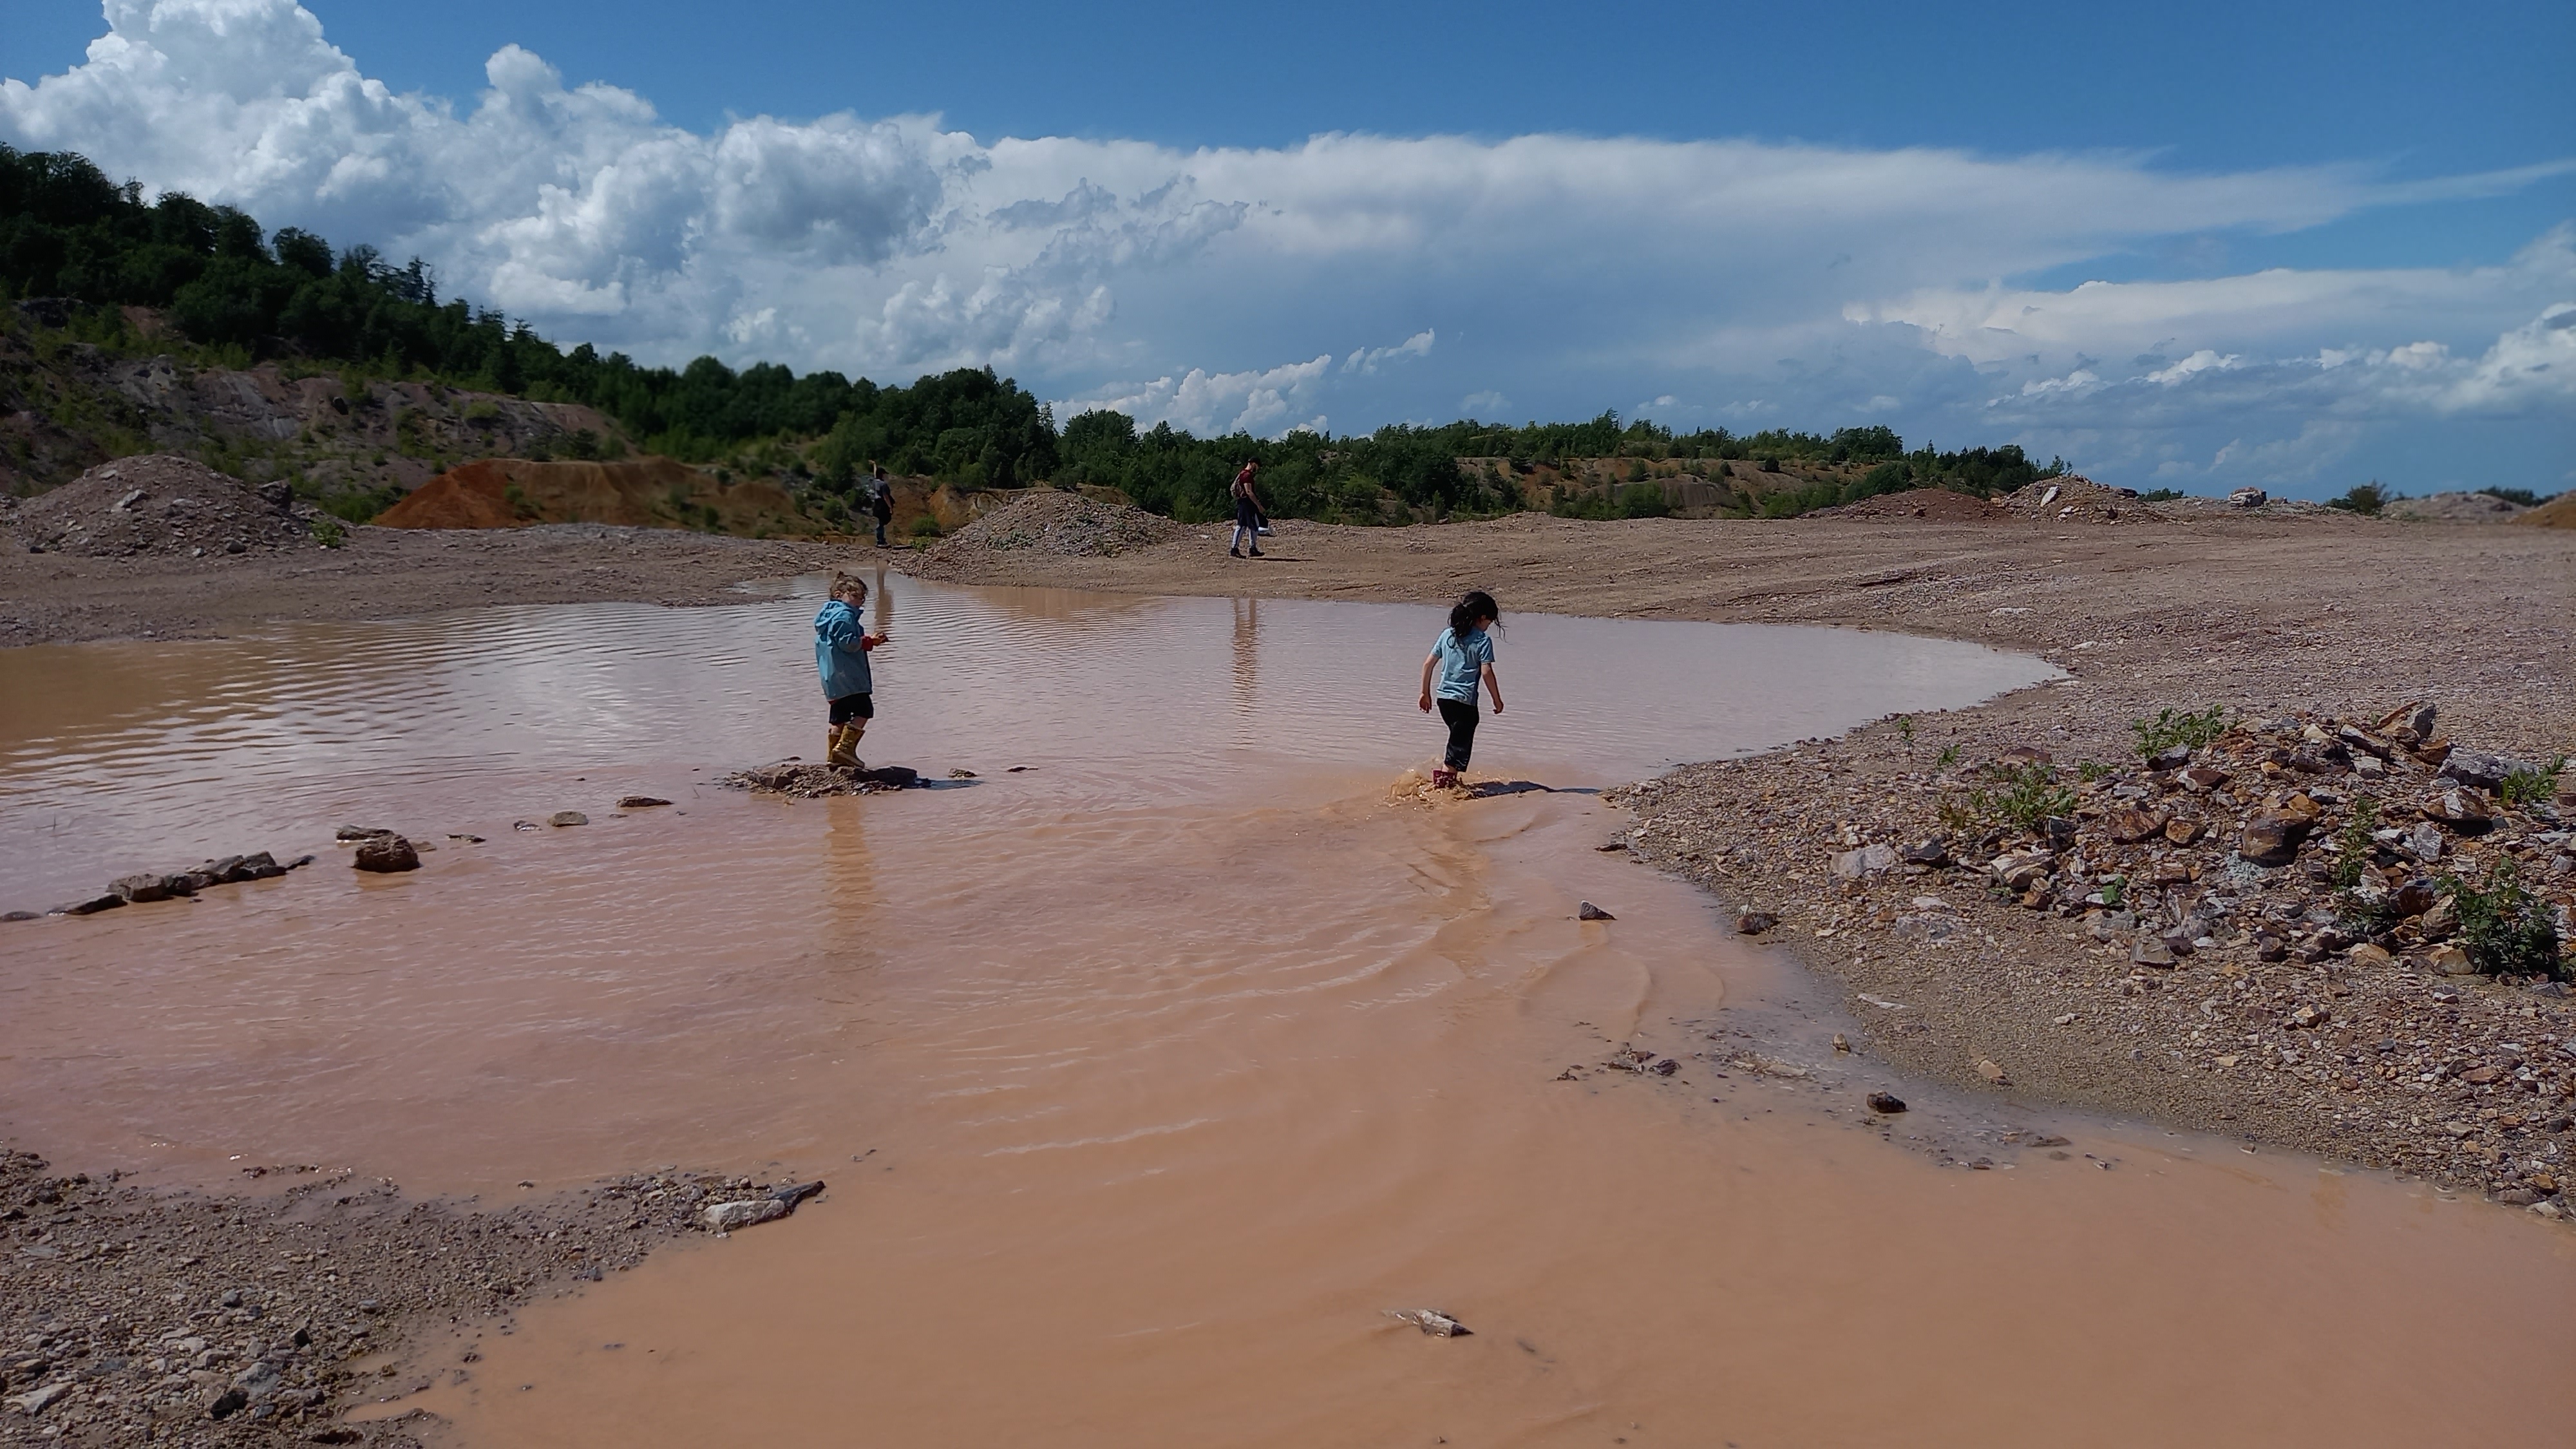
(1461, 658)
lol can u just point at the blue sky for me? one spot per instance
(2321, 243)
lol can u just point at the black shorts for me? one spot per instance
(853, 706)
(1245, 515)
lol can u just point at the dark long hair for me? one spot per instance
(1477, 605)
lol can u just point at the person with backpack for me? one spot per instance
(1247, 512)
(881, 503)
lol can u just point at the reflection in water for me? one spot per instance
(1247, 670)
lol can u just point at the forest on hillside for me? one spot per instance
(241, 295)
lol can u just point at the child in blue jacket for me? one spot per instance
(841, 645)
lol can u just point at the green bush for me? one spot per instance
(2523, 496)
(329, 532)
(2168, 729)
(2023, 795)
(925, 527)
(2366, 499)
(2531, 785)
(2160, 495)
(2506, 930)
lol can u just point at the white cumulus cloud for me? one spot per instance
(1762, 283)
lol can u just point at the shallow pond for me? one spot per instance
(1153, 1062)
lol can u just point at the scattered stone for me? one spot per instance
(1590, 912)
(2450, 961)
(639, 802)
(359, 832)
(142, 889)
(2150, 951)
(1754, 923)
(37, 1401)
(1926, 852)
(2247, 498)
(2460, 810)
(795, 1194)
(386, 854)
(1869, 860)
(726, 1217)
(1886, 1103)
(2273, 838)
(1431, 1321)
(1991, 1072)
(91, 906)
(567, 817)
(961, 774)
(2128, 827)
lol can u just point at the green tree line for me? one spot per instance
(66, 231)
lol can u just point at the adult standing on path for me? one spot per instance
(881, 500)
(1247, 512)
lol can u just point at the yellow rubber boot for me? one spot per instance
(845, 748)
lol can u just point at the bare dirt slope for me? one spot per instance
(635, 493)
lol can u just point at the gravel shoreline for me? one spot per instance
(199, 1319)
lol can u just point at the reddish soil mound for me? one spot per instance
(2558, 512)
(643, 493)
(1932, 505)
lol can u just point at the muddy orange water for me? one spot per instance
(1148, 1076)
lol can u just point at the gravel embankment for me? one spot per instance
(149, 1318)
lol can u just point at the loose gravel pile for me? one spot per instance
(161, 505)
(139, 1317)
(1066, 525)
(2281, 933)
(2074, 498)
(800, 781)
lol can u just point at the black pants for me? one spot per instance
(881, 523)
(1462, 717)
(854, 706)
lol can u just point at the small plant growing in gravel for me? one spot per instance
(1905, 730)
(2170, 728)
(1954, 815)
(1949, 756)
(2506, 930)
(2113, 888)
(2091, 770)
(328, 532)
(2529, 784)
(925, 527)
(2353, 847)
(2023, 795)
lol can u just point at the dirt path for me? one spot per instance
(381, 573)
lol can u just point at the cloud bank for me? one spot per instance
(1352, 278)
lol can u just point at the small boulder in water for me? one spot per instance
(1431, 1321)
(640, 802)
(386, 855)
(567, 817)
(1590, 912)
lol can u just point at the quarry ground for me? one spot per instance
(2264, 1029)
